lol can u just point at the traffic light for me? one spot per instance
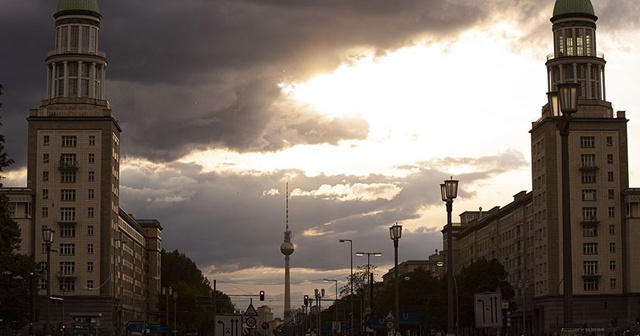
(306, 300)
(261, 295)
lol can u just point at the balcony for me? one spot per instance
(68, 165)
(66, 275)
(591, 274)
(589, 167)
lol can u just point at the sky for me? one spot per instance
(362, 107)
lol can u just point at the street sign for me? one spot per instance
(228, 325)
(250, 311)
(250, 321)
(488, 309)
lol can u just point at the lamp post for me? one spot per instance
(565, 101)
(351, 326)
(47, 238)
(370, 282)
(449, 191)
(524, 284)
(167, 291)
(395, 232)
(175, 311)
(319, 295)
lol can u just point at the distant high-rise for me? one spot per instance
(287, 249)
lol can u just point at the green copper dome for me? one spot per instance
(573, 7)
(82, 5)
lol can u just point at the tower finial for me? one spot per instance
(287, 207)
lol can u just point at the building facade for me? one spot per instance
(104, 263)
(526, 235)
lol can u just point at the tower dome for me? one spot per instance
(78, 6)
(573, 7)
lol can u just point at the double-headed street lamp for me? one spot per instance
(47, 238)
(395, 232)
(351, 325)
(167, 292)
(369, 275)
(565, 101)
(449, 191)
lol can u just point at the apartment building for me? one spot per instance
(526, 235)
(104, 263)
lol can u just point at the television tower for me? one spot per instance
(287, 249)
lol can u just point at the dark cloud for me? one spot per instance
(187, 75)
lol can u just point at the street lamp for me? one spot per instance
(47, 238)
(449, 191)
(566, 102)
(369, 275)
(175, 311)
(167, 291)
(351, 326)
(395, 232)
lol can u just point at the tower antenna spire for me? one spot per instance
(287, 207)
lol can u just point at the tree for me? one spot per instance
(182, 275)
(480, 276)
(16, 270)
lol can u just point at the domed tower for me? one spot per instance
(568, 272)
(73, 166)
(287, 249)
(575, 57)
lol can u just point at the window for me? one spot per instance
(67, 230)
(588, 194)
(90, 248)
(590, 267)
(588, 160)
(45, 193)
(611, 211)
(612, 247)
(610, 176)
(68, 177)
(612, 229)
(90, 212)
(609, 141)
(92, 158)
(92, 140)
(588, 177)
(45, 176)
(67, 267)
(67, 195)
(590, 230)
(90, 230)
(611, 194)
(46, 140)
(89, 266)
(612, 283)
(45, 158)
(590, 248)
(12, 211)
(587, 142)
(67, 214)
(68, 159)
(612, 265)
(589, 214)
(67, 249)
(590, 284)
(67, 285)
(92, 176)
(90, 194)
(69, 140)
(610, 158)
(89, 284)
(45, 212)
